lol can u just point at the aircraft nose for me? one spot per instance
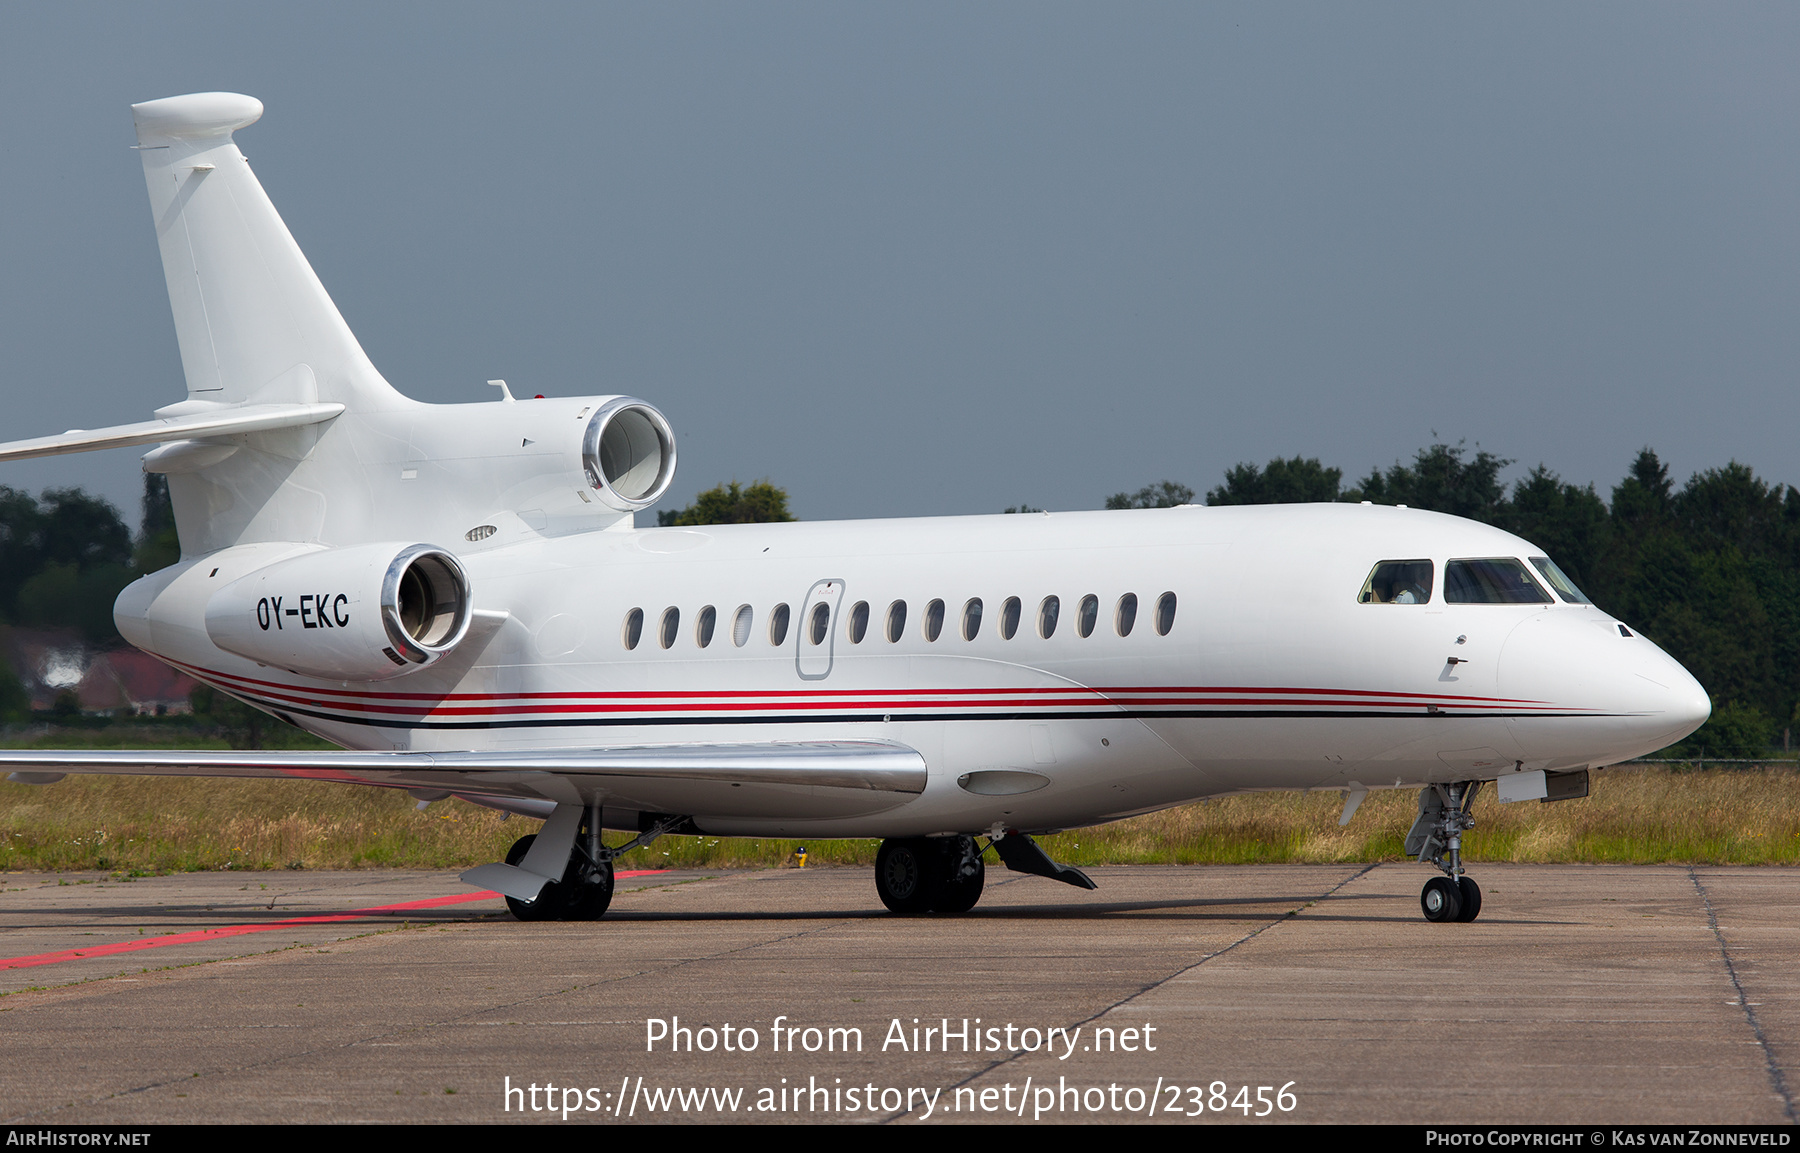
(1615, 695)
(1689, 706)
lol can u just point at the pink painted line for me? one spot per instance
(265, 927)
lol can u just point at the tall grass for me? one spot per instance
(157, 824)
(1635, 816)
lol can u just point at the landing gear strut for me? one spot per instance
(1436, 838)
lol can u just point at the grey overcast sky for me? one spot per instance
(925, 258)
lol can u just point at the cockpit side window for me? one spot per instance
(1559, 580)
(1398, 582)
(1492, 581)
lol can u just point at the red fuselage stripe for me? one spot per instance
(1104, 694)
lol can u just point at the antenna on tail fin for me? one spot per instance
(253, 321)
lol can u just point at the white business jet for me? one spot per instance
(457, 595)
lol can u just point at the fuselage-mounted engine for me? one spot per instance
(628, 452)
(365, 613)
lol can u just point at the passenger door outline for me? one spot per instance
(813, 662)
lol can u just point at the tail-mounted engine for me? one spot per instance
(364, 613)
(628, 452)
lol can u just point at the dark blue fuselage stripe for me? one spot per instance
(877, 718)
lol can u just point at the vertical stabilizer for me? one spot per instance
(251, 316)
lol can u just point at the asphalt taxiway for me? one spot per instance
(1583, 995)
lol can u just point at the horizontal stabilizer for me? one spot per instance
(224, 422)
(879, 766)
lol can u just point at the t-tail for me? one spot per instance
(295, 468)
(254, 323)
(289, 435)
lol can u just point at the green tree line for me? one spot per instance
(65, 556)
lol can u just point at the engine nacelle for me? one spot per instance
(628, 453)
(366, 613)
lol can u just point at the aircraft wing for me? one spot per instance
(226, 422)
(812, 778)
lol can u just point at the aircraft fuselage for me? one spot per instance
(1265, 672)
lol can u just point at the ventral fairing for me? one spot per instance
(458, 596)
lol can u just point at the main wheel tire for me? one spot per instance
(565, 900)
(1441, 899)
(591, 899)
(549, 903)
(1470, 896)
(906, 872)
(957, 894)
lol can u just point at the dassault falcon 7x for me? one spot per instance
(458, 596)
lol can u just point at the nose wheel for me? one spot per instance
(1436, 838)
(1441, 899)
(1471, 899)
(1451, 899)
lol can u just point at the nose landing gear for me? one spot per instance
(1436, 838)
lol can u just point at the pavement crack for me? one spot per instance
(1279, 919)
(1776, 1079)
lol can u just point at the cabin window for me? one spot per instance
(859, 622)
(821, 623)
(1047, 613)
(1125, 615)
(633, 630)
(740, 625)
(671, 624)
(896, 622)
(704, 625)
(971, 618)
(1009, 618)
(1491, 581)
(778, 622)
(1397, 582)
(934, 620)
(1165, 614)
(1089, 614)
(1559, 580)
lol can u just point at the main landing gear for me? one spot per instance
(1436, 838)
(929, 874)
(583, 888)
(946, 874)
(583, 894)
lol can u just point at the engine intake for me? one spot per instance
(424, 603)
(367, 613)
(628, 451)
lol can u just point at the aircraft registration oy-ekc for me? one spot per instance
(458, 596)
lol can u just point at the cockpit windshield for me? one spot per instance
(1559, 580)
(1491, 581)
(1398, 582)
